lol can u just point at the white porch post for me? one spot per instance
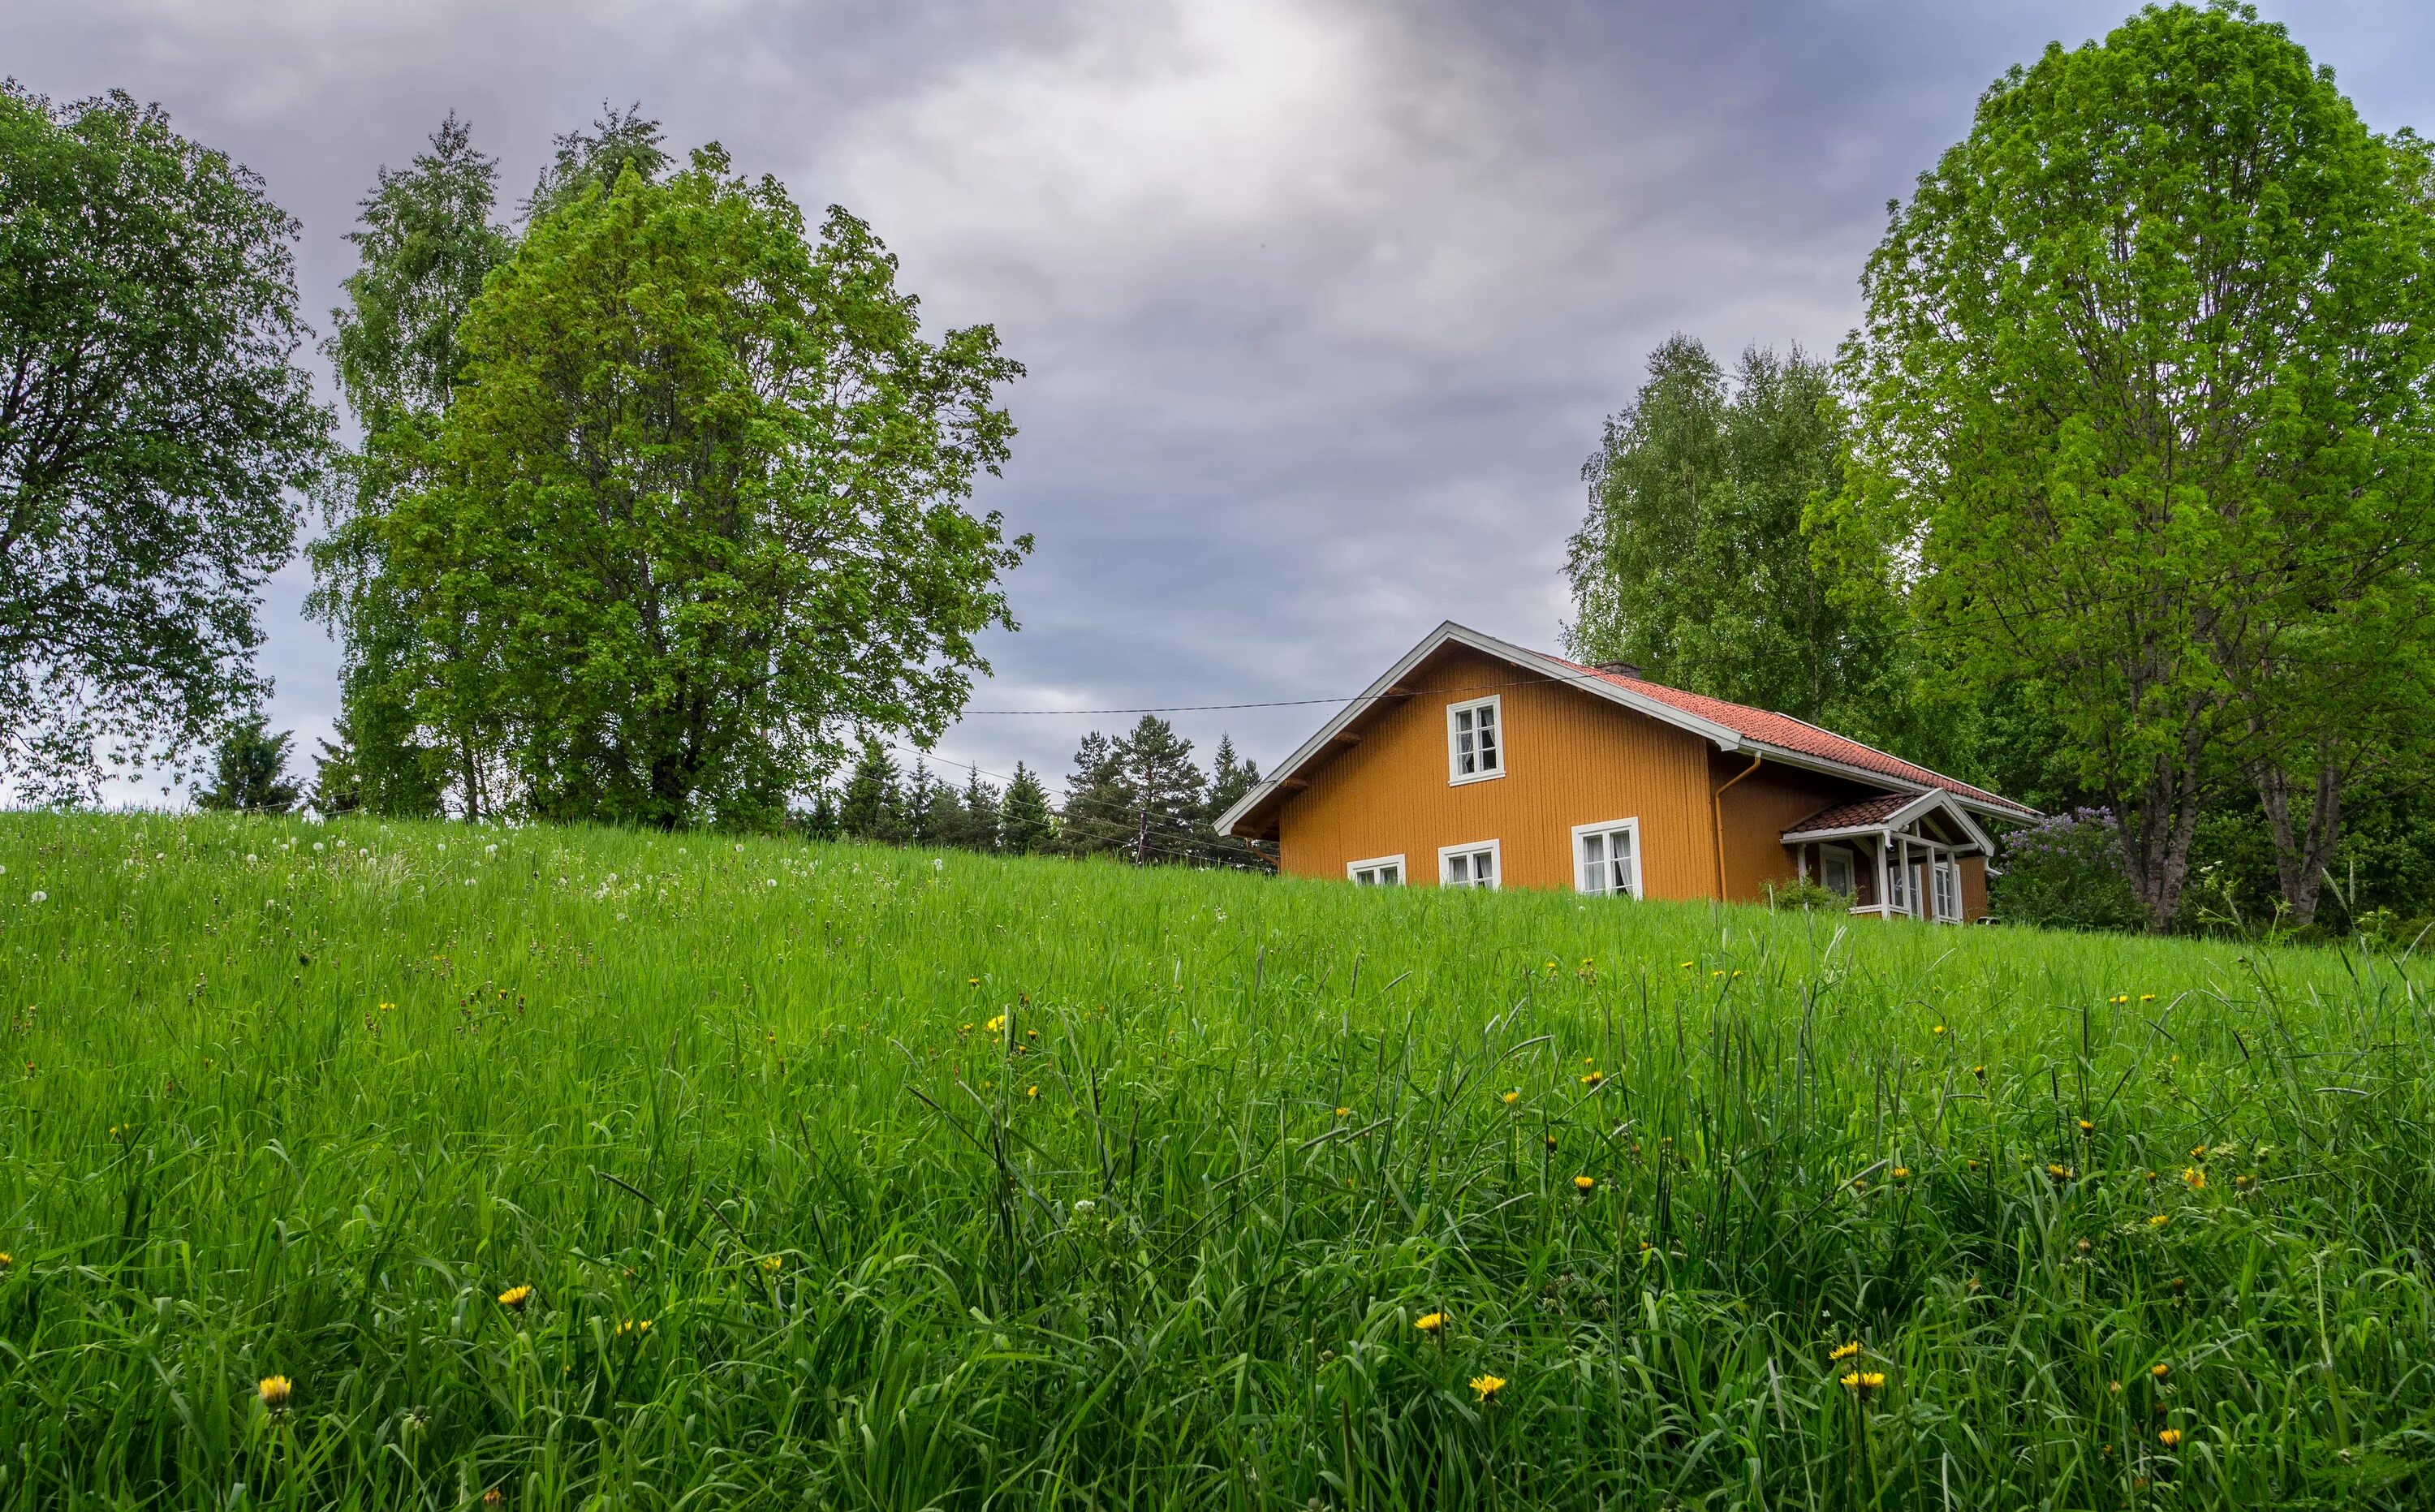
(1910, 882)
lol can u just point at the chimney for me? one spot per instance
(1621, 669)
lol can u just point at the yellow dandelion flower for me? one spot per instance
(494, 1497)
(1713, 975)
(1979, 1072)
(2197, 1152)
(1738, 973)
(1488, 1386)
(2160, 1371)
(972, 981)
(1687, 964)
(1512, 1097)
(1864, 1381)
(1430, 1322)
(773, 1264)
(2159, 1220)
(634, 1328)
(1344, 1112)
(2115, 1387)
(1031, 1091)
(1594, 1078)
(994, 1024)
(514, 1298)
(2058, 1172)
(274, 1391)
(2170, 1438)
(1842, 1352)
(6, 1259)
(2146, 997)
(1938, 1029)
(1585, 1183)
(2194, 1179)
(1901, 1173)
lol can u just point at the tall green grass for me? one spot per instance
(942, 1182)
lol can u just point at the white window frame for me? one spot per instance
(1900, 883)
(1496, 849)
(1352, 871)
(1582, 831)
(1945, 889)
(1851, 869)
(1456, 776)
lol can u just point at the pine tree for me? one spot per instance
(338, 779)
(977, 819)
(1167, 792)
(819, 821)
(925, 805)
(1230, 778)
(252, 771)
(1025, 825)
(873, 806)
(1098, 816)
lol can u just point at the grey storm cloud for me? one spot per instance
(1322, 301)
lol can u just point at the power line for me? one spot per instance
(1927, 632)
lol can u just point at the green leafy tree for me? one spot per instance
(2142, 394)
(152, 420)
(1026, 826)
(250, 771)
(425, 243)
(1695, 564)
(619, 143)
(698, 507)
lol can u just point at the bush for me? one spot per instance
(2065, 873)
(1809, 896)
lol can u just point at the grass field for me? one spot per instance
(868, 1178)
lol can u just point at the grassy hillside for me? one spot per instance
(873, 1178)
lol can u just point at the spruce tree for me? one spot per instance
(1024, 826)
(1166, 789)
(252, 771)
(1230, 778)
(976, 821)
(1099, 817)
(872, 809)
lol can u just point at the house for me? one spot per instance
(1473, 762)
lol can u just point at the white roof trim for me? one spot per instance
(1911, 813)
(1723, 737)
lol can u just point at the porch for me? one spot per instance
(1896, 856)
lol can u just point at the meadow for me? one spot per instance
(366, 1165)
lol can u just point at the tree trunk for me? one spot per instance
(2155, 826)
(2301, 857)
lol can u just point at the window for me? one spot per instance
(1835, 870)
(1468, 865)
(1607, 857)
(1384, 871)
(1948, 892)
(1898, 882)
(1475, 741)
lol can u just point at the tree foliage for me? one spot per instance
(152, 420)
(426, 241)
(698, 507)
(1694, 562)
(2142, 393)
(250, 771)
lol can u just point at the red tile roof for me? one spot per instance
(1799, 736)
(1851, 815)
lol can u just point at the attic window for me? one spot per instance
(1475, 741)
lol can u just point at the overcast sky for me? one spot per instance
(1322, 301)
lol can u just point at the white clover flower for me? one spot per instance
(1084, 1207)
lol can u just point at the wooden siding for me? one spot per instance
(1759, 808)
(1571, 759)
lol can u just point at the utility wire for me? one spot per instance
(1919, 631)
